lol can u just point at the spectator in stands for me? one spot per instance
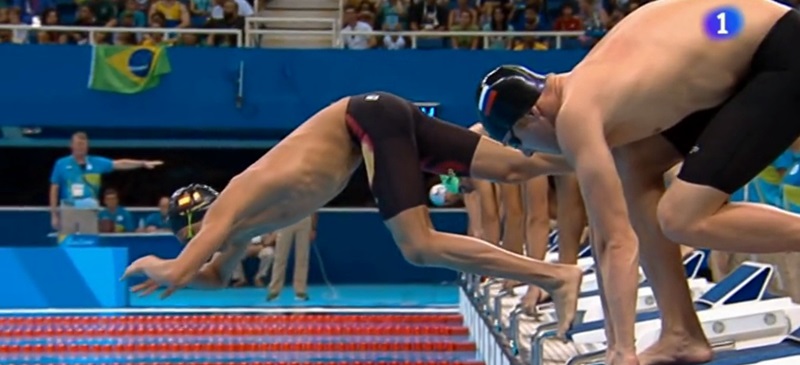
(85, 18)
(499, 23)
(391, 13)
(50, 18)
(127, 20)
(366, 5)
(594, 19)
(114, 218)
(300, 235)
(531, 25)
(367, 17)
(75, 180)
(102, 38)
(487, 8)
(217, 10)
(189, 40)
(175, 13)
(104, 10)
(462, 7)
(633, 5)
(614, 16)
(30, 8)
(230, 20)
(158, 221)
(466, 24)
(351, 23)
(427, 15)
(137, 17)
(391, 41)
(18, 36)
(156, 38)
(567, 21)
(201, 8)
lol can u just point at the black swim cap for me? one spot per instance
(188, 205)
(505, 95)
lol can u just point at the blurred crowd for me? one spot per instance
(593, 17)
(210, 14)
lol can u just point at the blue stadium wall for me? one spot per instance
(281, 87)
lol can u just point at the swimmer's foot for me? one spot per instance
(530, 300)
(259, 283)
(508, 287)
(565, 297)
(272, 296)
(239, 283)
(677, 349)
(619, 359)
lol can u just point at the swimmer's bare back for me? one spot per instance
(658, 65)
(299, 175)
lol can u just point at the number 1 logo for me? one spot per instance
(724, 23)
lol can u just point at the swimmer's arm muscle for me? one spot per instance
(582, 139)
(551, 164)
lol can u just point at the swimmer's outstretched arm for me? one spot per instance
(219, 226)
(582, 140)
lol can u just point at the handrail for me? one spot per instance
(93, 30)
(558, 35)
(335, 32)
(252, 30)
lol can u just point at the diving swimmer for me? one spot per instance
(308, 168)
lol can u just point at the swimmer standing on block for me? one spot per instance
(314, 163)
(713, 82)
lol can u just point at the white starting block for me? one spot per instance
(735, 313)
(590, 305)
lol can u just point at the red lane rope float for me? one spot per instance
(236, 347)
(239, 318)
(359, 362)
(236, 329)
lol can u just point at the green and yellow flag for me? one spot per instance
(127, 69)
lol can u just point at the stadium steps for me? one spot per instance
(293, 9)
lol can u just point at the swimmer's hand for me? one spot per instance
(159, 273)
(152, 164)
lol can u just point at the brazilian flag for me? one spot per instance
(127, 69)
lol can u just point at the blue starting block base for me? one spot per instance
(81, 274)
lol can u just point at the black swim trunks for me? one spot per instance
(398, 142)
(727, 146)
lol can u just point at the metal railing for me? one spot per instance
(253, 30)
(92, 31)
(486, 35)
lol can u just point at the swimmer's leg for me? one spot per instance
(422, 245)
(513, 223)
(682, 340)
(537, 229)
(570, 217)
(748, 133)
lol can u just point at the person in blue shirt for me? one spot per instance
(75, 180)
(121, 218)
(159, 221)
